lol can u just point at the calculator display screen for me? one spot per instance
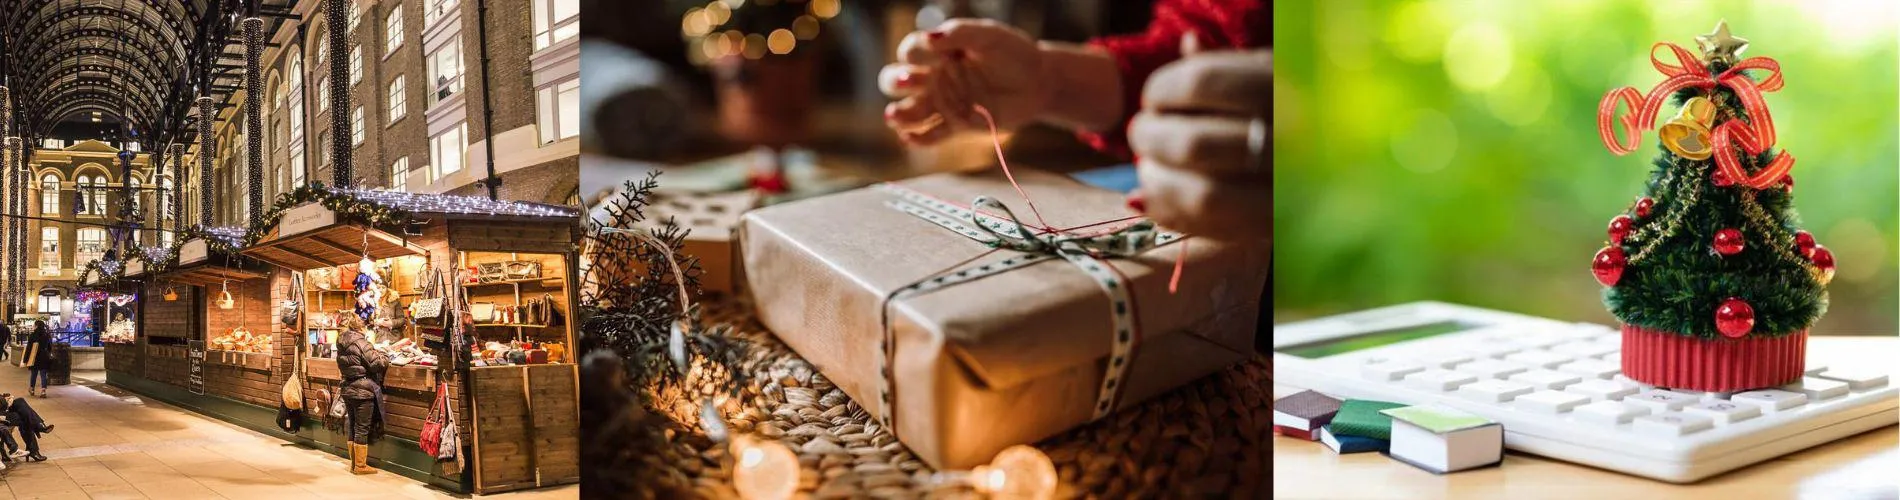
(1376, 338)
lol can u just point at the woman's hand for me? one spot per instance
(940, 74)
(1202, 139)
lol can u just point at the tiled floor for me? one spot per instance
(112, 444)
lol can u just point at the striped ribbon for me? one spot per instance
(990, 222)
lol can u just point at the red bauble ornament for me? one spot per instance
(1619, 228)
(1787, 183)
(1720, 179)
(1643, 207)
(1804, 242)
(768, 182)
(1735, 318)
(1608, 265)
(1729, 241)
(1823, 264)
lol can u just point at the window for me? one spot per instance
(356, 17)
(555, 21)
(90, 246)
(49, 302)
(398, 103)
(296, 122)
(356, 127)
(447, 150)
(356, 65)
(323, 47)
(49, 195)
(445, 71)
(392, 30)
(165, 239)
(53, 144)
(399, 174)
(323, 148)
(560, 110)
(49, 251)
(435, 9)
(323, 94)
(89, 195)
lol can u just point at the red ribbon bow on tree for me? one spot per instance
(1754, 136)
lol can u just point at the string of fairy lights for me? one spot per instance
(716, 30)
(253, 118)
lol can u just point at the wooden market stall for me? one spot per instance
(514, 391)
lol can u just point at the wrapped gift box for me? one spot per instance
(1010, 347)
(709, 219)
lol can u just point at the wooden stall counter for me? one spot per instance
(527, 425)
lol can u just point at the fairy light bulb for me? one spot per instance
(1017, 473)
(763, 469)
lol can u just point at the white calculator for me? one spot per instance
(1558, 389)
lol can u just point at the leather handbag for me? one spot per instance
(427, 310)
(482, 312)
(431, 435)
(490, 272)
(322, 278)
(521, 269)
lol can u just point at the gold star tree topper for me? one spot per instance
(1719, 45)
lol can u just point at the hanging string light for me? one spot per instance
(253, 118)
(207, 111)
(337, 25)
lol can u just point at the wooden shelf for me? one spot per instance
(329, 291)
(511, 325)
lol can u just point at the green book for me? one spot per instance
(1359, 417)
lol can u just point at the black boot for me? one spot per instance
(36, 457)
(46, 430)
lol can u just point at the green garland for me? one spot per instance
(349, 209)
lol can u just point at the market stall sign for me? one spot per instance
(193, 251)
(196, 358)
(305, 218)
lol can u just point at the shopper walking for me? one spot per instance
(362, 367)
(38, 360)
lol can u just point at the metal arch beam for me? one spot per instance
(93, 97)
(146, 102)
(46, 81)
(180, 23)
(42, 53)
(60, 50)
(173, 42)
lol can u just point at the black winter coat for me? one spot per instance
(361, 365)
(40, 347)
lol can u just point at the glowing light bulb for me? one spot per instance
(1017, 473)
(765, 469)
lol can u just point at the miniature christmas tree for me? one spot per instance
(1713, 280)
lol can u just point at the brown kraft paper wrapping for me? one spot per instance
(1008, 359)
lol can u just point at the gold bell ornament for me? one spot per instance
(1687, 134)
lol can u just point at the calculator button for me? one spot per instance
(1491, 368)
(1856, 381)
(1673, 424)
(1625, 380)
(1592, 368)
(1593, 330)
(1547, 379)
(1771, 399)
(1390, 370)
(1544, 359)
(1658, 400)
(1818, 388)
(1439, 380)
(1725, 412)
(1548, 401)
(1536, 340)
(1602, 390)
(1494, 350)
(1813, 369)
(1494, 391)
(1609, 412)
(1615, 357)
(1445, 359)
(1584, 348)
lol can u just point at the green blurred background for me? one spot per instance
(1447, 150)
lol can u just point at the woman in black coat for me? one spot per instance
(362, 367)
(38, 359)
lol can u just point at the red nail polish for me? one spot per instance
(934, 35)
(956, 55)
(905, 80)
(1136, 203)
(890, 113)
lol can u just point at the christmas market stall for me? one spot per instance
(207, 339)
(466, 295)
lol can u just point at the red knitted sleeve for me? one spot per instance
(1218, 24)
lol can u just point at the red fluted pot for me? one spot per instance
(1675, 361)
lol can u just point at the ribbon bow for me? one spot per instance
(1754, 134)
(994, 224)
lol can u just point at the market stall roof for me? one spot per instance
(314, 235)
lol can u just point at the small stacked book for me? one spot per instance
(1301, 415)
(1350, 444)
(1442, 440)
(1361, 418)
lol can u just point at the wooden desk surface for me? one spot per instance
(1865, 466)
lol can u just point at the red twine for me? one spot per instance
(1755, 136)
